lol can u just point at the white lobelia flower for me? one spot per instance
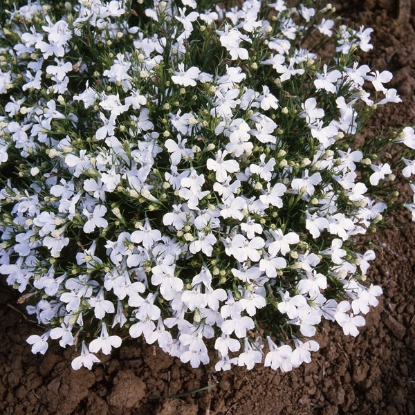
(100, 305)
(252, 301)
(247, 273)
(306, 185)
(307, 319)
(335, 251)
(264, 169)
(221, 166)
(161, 335)
(186, 21)
(409, 170)
(301, 353)
(86, 359)
(185, 77)
(105, 342)
(312, 284)
(271, 264)
(64, 333)
(178, 151)
(326, 80)
(145, 235)
(315, 224)
(340, 225)
(231, 39)
(95, 219)
(39, 343)
(379, 173)
(363, 260)
(204, 243)
(348, 322)
(278, 357)
(251, 228)
(281, 242)
(225, 343)
(290, 305)
(250, 356)
(407, 137)
(379, 78)
(366, 297)
(146, 310)
(310, 111)
(267, 99)
(163, 275)
(272, 196)
(243, 249)
(176, 218)
(233, 207)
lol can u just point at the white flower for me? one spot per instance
(250, 355)
(270, 264)
(348, 322)
(307, 319)
(335, 251)
(278, 357)
(409, 170)
(86, 359)
(231, 39)
(252, 301)
(242, 248)
(326, 80)
(281, 242)
(195, 357)
(100, 305)
(163, 275)
(39, 343)
(305, 185)
(186, 78)
(204, 243)
(233, 207)
(104, 342)
(60, 70)
(310, 111)
(178, 150)
(146, 309)
(378, 79)
(263, 170)
(251, 228)
(301, 353)
(272, 195)
(390, 96)
(221, 166)
(146, 235)
(379, 173)
(315, 224)
(177, 218)
(366, 297)
(363, 260)
(268, 100)
(325, 27)
(339, 225)
(312, 284)
(95, 219)
(225, 343)
(407, 136)
(290, 305)
(64, 333)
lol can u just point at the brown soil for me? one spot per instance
(371, 374)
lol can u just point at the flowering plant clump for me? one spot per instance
(190, 175)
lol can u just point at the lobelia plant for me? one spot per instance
(190, 175)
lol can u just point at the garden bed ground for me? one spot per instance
(371, 374)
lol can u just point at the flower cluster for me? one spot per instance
(189, 175)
